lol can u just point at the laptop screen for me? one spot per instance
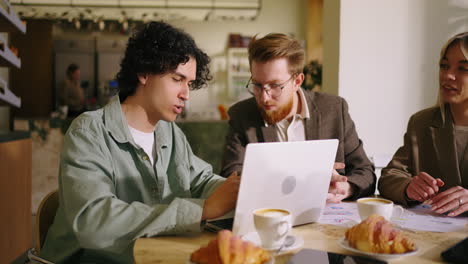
(294, 176)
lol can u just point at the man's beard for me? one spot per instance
(273, 117)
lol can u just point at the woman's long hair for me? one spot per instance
(462, 40)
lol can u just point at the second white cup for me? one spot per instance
(370, 205)
(272, 225)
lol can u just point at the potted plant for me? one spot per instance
(312, 76)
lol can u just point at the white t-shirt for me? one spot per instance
(145, 141)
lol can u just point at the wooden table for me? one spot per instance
(316, 236)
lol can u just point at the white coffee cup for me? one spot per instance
(371, 205)
(272, 225)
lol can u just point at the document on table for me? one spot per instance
(422, 218)
(340, 214)
(416, 218)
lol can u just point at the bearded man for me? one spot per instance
(281, 111)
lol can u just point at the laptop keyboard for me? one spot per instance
(217, 225)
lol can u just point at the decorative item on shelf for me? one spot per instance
(313, 76)
(235, 40)
(238, 41)
(101, 24)
(14, 50)
(223, 112)
(238, 72)
(246, 41)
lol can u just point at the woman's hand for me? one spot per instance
(454, 199)
(423, 186)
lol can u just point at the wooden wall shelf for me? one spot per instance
(9, 21)
(7, 96)
(7, 57)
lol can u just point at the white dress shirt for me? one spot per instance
(294, 130)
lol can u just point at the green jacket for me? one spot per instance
(111, 194)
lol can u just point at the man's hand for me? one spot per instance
(339, 186)
(454, 199)
(423, 186)
(223, 199)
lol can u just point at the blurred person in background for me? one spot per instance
(72, 94)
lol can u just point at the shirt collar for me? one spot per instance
(115, 121)
(117, 125)
(304, 113)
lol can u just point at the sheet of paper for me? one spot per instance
(422, 218)
(417, 218)
(340, 214)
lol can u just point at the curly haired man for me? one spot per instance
(127, 170)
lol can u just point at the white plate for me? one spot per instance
(344, 244)
(254, 238)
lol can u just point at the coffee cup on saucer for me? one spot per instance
(273, 226)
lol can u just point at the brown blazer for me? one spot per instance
(429, 146)
(329, 119)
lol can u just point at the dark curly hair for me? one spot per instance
(156, 49)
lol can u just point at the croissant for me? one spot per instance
(229, 249)
(377, 235)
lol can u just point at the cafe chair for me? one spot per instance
(44, 219)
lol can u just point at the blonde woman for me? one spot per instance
(432, 165)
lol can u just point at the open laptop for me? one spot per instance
(289, 175)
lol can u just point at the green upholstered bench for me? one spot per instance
(207, 140)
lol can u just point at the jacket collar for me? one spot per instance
(115, 122)
(444, 144)
(437, 120)
(312, 124)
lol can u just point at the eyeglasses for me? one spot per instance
(274, 89)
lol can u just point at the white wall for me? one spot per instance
(388, 61)
(331, 46)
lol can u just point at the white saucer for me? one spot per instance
(344, 244)
(254, 238)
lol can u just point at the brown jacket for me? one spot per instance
(429, 146)
(329, 119)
